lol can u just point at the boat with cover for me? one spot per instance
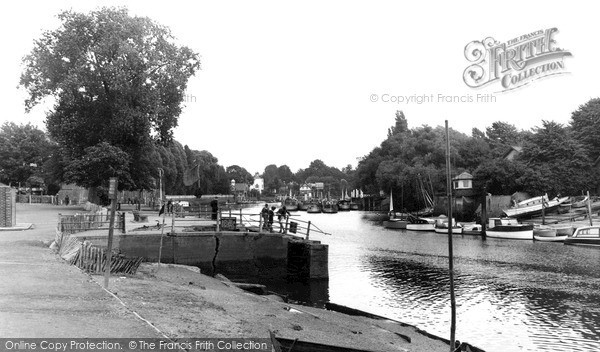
(344, 205)
(534, 206)
(420, 224)
(441, 225)
(313, 208)
(585, 236)
(291, 204)
(509, 228)
(329, 207)
(544, 233)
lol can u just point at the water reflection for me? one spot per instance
(511, 295)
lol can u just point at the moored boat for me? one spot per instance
(354, 206)
(344, 205)
(534, 206)
(585, 236)
(441, 225)
(550, 238)
(509, 228)
(313, 208)
(329, 207)
(303, 205)
(472, 229)
(396, 221)
(543, 231)
(291, 204)
(420, 224)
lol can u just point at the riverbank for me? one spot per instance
(45, 297)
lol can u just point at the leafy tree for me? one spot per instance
(23, 151)
(557, 163)
(501, 136)
(239, 174)
(117, 81)
(98, 163)
(585, 123)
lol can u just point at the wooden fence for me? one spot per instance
(84, 222)
(92, 258)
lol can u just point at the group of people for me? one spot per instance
(268, 215)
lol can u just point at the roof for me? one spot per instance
(513, 148)
(464, 176)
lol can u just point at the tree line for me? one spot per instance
(551, 158)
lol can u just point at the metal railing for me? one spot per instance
(237, 220)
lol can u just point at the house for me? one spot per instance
(512, 153)
(463, 185)
(259, 183)
(240, 191)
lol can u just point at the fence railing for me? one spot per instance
(91, 258)
(70, 224)
(237, 219)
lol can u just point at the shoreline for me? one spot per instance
(46, 297)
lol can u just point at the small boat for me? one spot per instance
(291, 204)
(303, 206)
(534, 206)
(543, 231)
(329, 207)
(420, 224)
(344, 205)
(575, 202)
(472, 229)
(441, 225)
(508, 228)
(354, 206)
(313, 208)
(585, 236)
(550, 238)
(395, 222)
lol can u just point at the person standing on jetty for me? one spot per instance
(264, 214)
(282, 213)
(214, 204)
(271, 216)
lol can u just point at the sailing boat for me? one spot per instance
(394, 222)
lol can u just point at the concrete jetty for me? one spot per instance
(241, 253)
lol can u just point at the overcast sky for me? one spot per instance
(287, 83)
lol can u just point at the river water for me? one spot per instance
(511, 295)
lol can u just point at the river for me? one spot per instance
(511, 295)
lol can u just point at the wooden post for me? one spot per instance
(287, 220)
(241, 217)
(484, 218)
(589, 207)
(308, 230)
(218, 220)
(112, 193)
(543, 210)
(450, 250)
(260, 222)
(162, 232)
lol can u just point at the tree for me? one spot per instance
(556, 162)
(585, 123)
(239, 174)
(98, 163)
(23, 151)
(117, 80)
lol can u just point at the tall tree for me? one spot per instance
(117, 80)
(23, 151)
(585, 123)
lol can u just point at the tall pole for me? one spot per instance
(112, 193)
(450, 252)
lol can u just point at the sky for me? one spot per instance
(291, 82)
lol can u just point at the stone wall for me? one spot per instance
(8, 210)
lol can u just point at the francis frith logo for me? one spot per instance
(516, 62)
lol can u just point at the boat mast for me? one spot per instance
(450, 252)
